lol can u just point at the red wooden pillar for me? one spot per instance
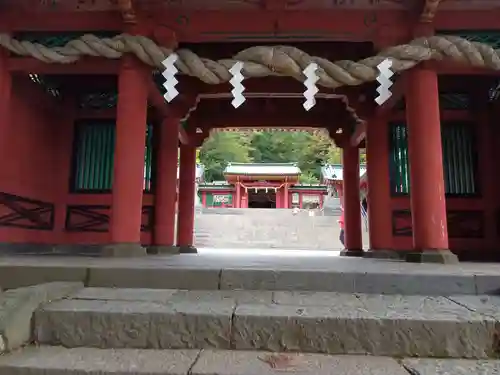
(185, 217)
(379, 197)
(166, 186)
(237, 198)
(427, 195)
(352, 209)
(128, 176)
(286, 198)
(5, 94)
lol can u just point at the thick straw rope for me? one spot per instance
(261, 61)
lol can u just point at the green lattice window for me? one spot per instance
(58, 39)
(490, 37)
(448, 101)
(459, 162)
(93, 155)
(98, 100)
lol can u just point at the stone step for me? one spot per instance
(62, 361)
(315, 322)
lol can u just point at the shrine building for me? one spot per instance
(89, 145)
(333, 177)
(262, 185)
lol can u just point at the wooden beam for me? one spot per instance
(276, 120)
(85, 66)
(466, 20)
(223, 25)
(165, 110)
(67, 21)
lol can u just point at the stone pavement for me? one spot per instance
(312, 322)
(263, 228)
(61, 361)
(251, 272)
(111, 331)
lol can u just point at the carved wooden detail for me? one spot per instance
(401, 223)
(461, 223)
(21, 212)
(95, 218)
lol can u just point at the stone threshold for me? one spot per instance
(59, 360)
(221, 273)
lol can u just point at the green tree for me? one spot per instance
(222, 148)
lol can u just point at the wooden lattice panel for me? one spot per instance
(95, 218)
(21, 212)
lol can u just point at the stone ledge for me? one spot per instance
(329, 323)
(18, 305)
(58, 360)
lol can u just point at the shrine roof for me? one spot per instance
(263, 169)
(336, 172)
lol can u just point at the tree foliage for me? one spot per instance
(220, 149)
(309, 151)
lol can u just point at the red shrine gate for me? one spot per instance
(81, 106)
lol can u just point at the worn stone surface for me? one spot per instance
(18, 305)
(394, 327)
(425, 366)
(252, 363)
(156, 278)
(299, 280)
(487, 305)
(121, 324)
(316, 299)
(414, 284)
(235, 296)
(32, 273)
(125, 294)
(262, 228)
(58, 360)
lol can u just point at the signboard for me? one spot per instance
(310, 199)
(221, 199)
(295, 198)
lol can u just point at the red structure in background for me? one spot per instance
(262, 185)
(68, 130)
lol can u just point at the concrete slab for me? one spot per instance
(59, 360)
(425, 366)
(142, 325)
(252, 363)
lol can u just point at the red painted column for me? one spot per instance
(352, 209)
(428, 204)
(286, 198)
(185, 217)
(5, 94)
(379, 197)
(128, 176)
(237, 201)
(166, 185)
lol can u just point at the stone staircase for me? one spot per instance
(266, 228)
(105, 331)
